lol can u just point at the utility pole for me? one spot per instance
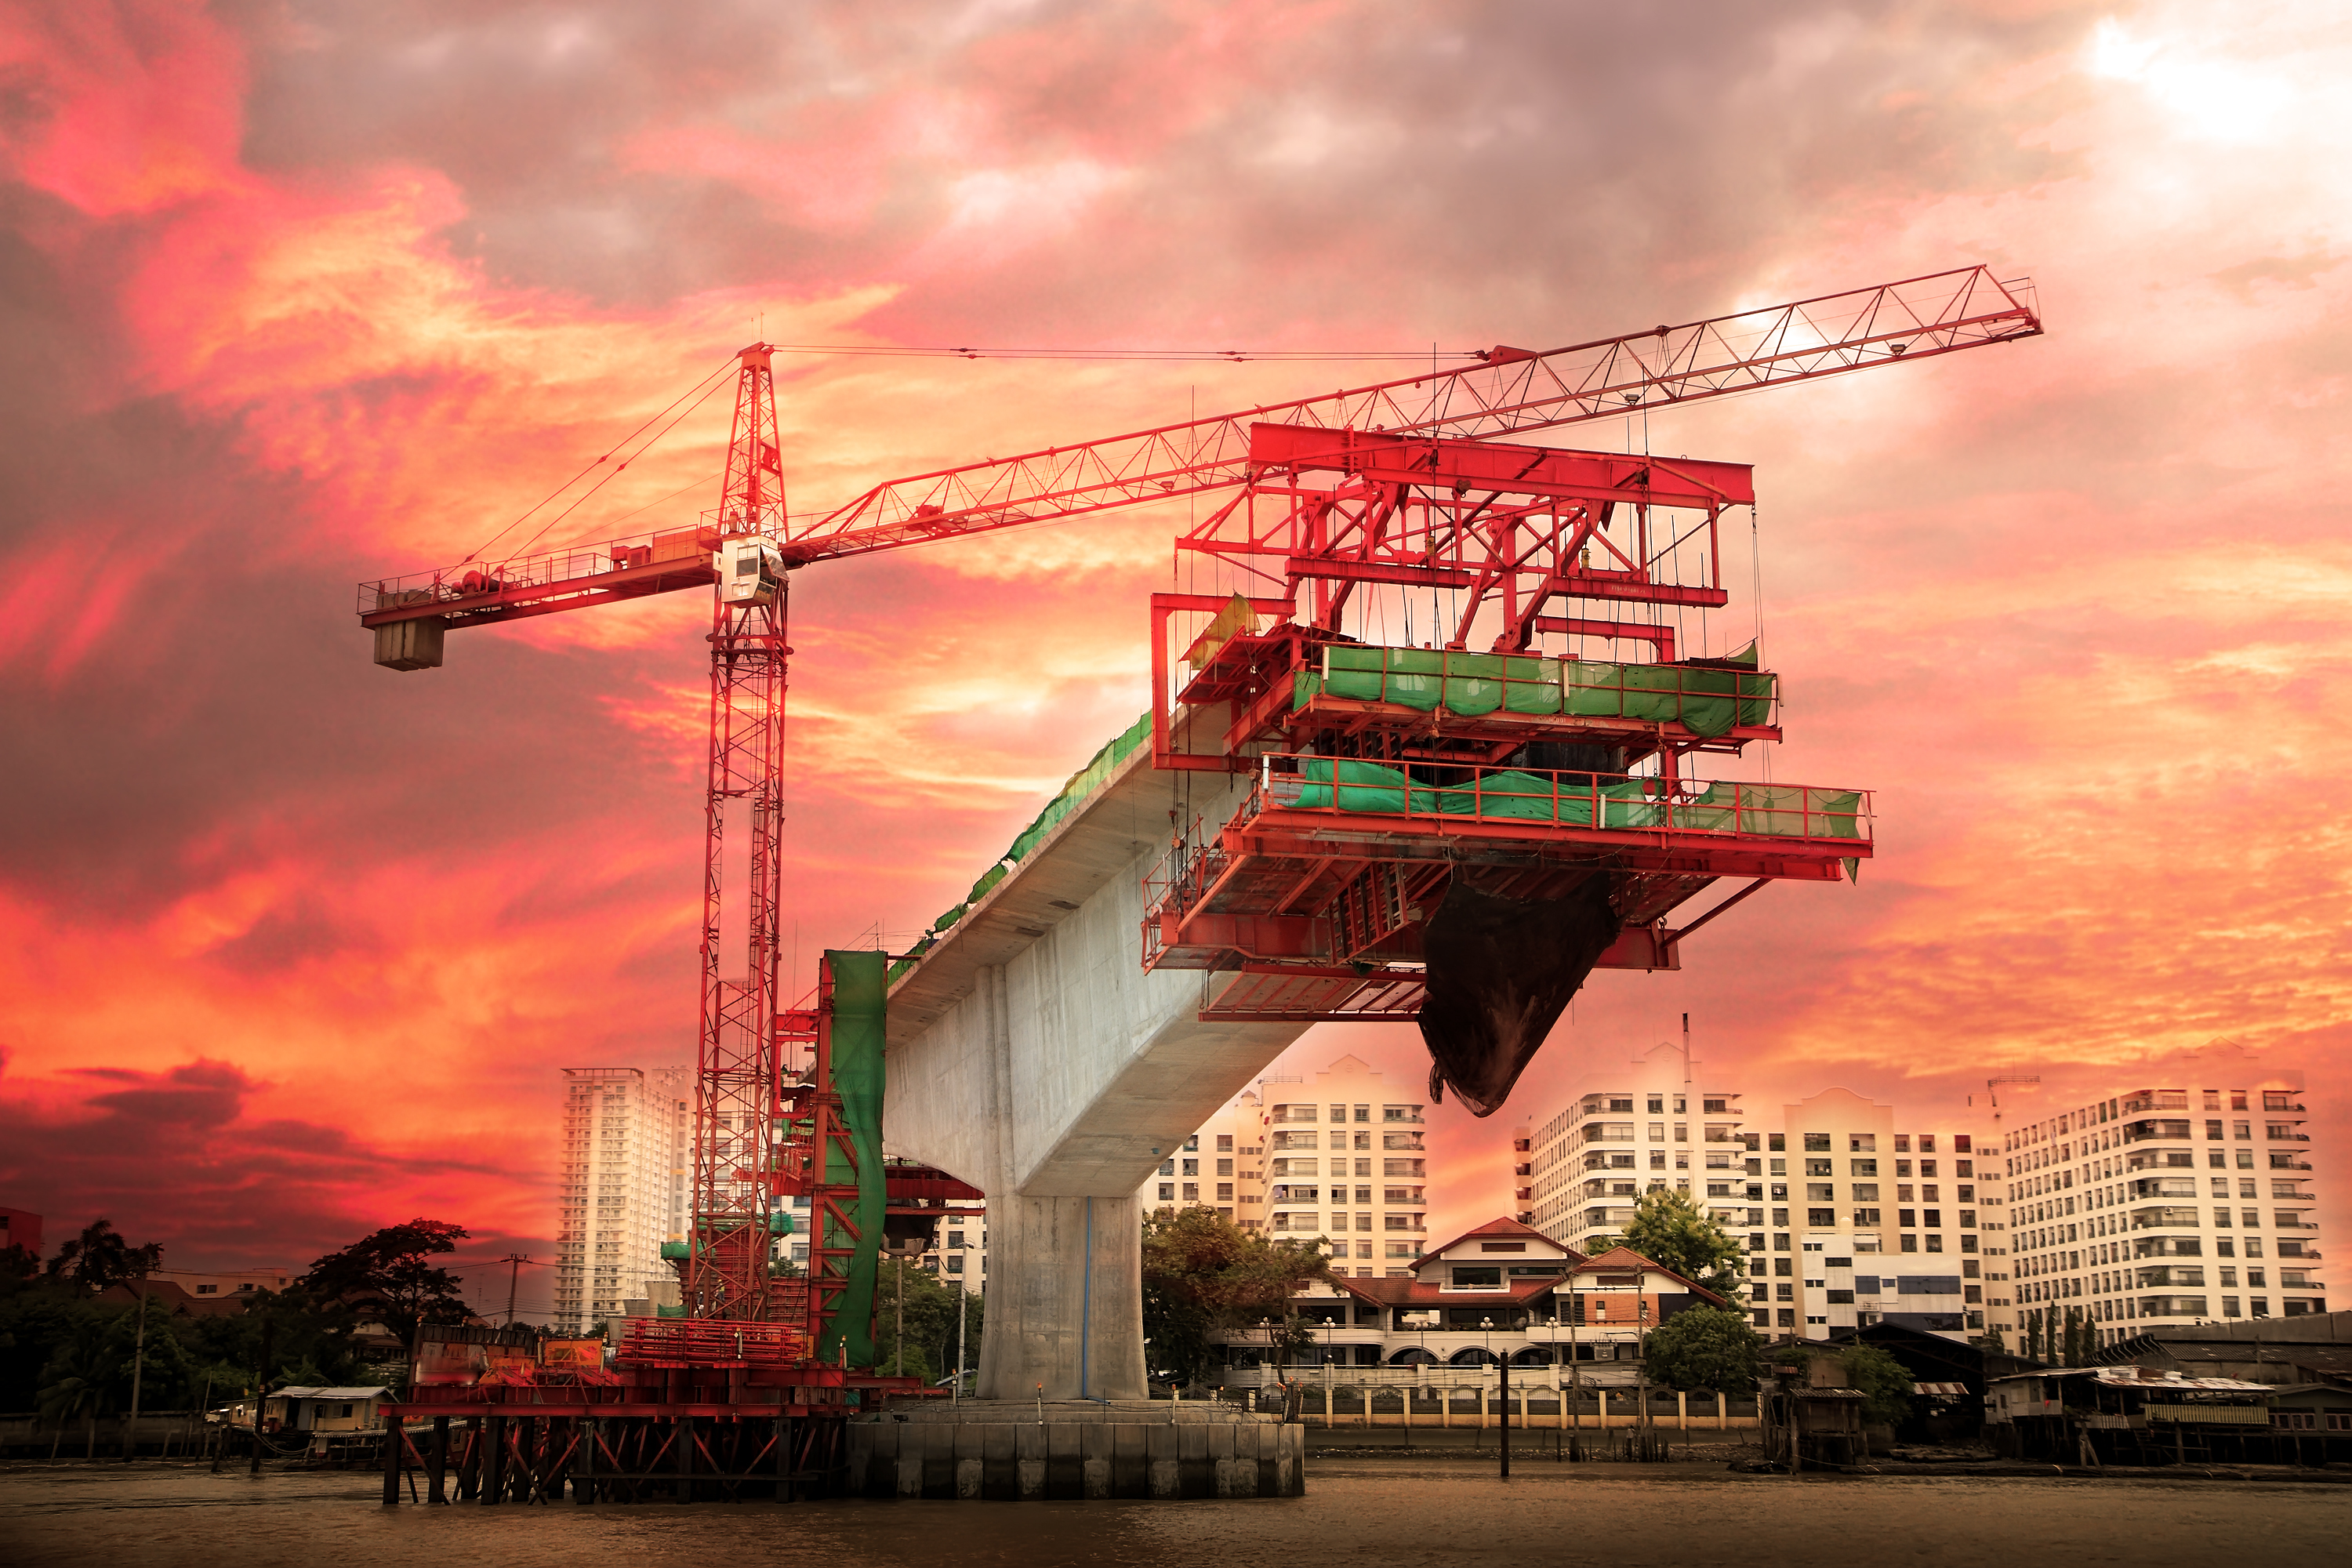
(138, 1367)
(260, 1398)
(1506, 1392)
(963, 1289)
(514, 1262)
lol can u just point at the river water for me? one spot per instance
(1356, 1511)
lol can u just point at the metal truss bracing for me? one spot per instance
(1513, 391)
(727, 1269)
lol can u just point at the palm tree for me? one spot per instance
(77, 1381)
(100, 1256)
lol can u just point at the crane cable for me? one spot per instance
(724, 366)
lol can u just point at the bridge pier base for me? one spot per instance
(1065, 1299)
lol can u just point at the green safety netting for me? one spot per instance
(1081, 785)
(859, 1076)
(1708, 699)
(1347, 783)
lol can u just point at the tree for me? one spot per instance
(1669, 1228)
(1705, 1348)
(390, 1277)
(1203, 1275)
(100, 1256)
(930, 1320)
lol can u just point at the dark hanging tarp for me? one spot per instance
(858, 1079)
(1501, 972)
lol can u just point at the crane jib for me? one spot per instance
(1511, 391)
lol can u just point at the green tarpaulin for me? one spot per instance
(1708, 699)
(858, 1077)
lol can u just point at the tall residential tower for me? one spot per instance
(626, 1132)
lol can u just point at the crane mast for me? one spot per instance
(736, 1066)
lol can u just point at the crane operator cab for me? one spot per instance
(750, 571)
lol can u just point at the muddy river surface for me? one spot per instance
(1356, 1511)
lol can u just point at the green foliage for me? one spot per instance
(1203, 1275)
(1672, 1229)
(1705, 1348)
(1885, 1385)
(390, 1278)
(930, 1341)
(100, 1256)
(68, 1352)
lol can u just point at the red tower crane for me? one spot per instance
(1524, 546)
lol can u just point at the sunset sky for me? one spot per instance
(294, 294)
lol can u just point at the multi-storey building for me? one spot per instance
(1348, 1164)
(624, 1192)
(1845, 1221)
(1222, 1166)
(2157, 1207)
(1867, 1224)
(1501, 1291)
(1340, 1160)
(1577, 1175)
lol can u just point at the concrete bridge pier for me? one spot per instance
(1032, 1054)
(1065, 1299)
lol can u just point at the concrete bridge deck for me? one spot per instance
(1033, 1056)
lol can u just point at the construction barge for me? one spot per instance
(691, 1411)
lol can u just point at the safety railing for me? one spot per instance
(1341, 786)
(548, 569)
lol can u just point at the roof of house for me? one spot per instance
(1413, 1292)
(304, 1392)
(174, 1299)
(1499, 1227)
(1623, 1256)
(2136, 1377)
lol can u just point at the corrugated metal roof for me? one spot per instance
(1942, 1390)
(306, 1392)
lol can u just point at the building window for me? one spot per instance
(1166, 1192)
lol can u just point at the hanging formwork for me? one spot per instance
(1452, 836)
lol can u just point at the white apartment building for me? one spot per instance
(1348, 1164)
(2158, 1207)
(1845, 1221)
(1868, 1225)
(1222, 1166)
(627, 1133)
(1577, 1174)
(1339, 1159)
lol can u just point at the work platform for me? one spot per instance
(692, 1410)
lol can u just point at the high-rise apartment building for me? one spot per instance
(1222, 1166)
(2158, 1207)
(1845, 1221)
(1348, 1165)
(1577, 1174)
(625, 1159)
(1341, 1160)
(1869, 1224)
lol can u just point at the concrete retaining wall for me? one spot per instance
(1013, 1461)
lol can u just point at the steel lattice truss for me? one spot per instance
(1513, 392)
